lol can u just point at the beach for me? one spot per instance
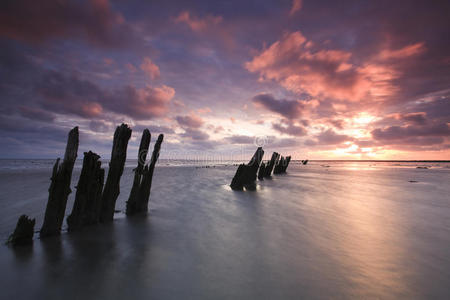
(328, 229)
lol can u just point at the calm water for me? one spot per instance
(324, 230)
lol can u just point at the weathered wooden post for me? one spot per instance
(261, 171)
(60, 188)
(288, 160)
(132, 203)
(282, 165)
(271, 164)
(87, 205)
(279, 166)
(246, 174)
(147, 177)
(23, 234)
(116, 165)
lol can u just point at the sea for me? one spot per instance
(324, 230)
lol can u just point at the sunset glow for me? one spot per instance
(320, 80)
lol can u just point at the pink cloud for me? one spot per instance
(131, 67)
(150, 68)
(190, 121)
(407, 51)
(204, 110)
(198, 24)
(152, 101)
(296, 6)
(301, 66)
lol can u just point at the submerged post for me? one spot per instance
(282, 165)
(87, 205)
(147, 177)
(246, 173)
(288, 160)
(132, 203)
(271, 164)
(60, 188)
(23, 234)
(116, 165)
(261, 171)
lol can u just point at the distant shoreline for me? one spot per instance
(294, 160)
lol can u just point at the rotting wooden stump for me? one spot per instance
(270, 165)
(278, 167)
(262, 171)
(116, 165)
(132, 203)
(60, 188)
(147, 177)
(87, 205)
(246, 173)
(282, 165)
(288, 160)
(23, 234)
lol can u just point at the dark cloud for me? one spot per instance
(100, 126)
(72, 95)
(328, 137)
(438, 108)
(404, 132)
(37, 114)
(39, 21)
(140, 104)
(240, 139)
(192, 121)
(195, 134)
(287, 108)
(289, 128)
(338, 124)
(418, 118)
(154, 129)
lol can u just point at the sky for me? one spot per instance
(314, 79)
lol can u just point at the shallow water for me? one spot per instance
(324, 230)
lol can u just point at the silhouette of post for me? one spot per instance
(23, 234)
(261, 171)
(118, 156)
(132, 203)
(271, 164)
(147, 177)
(60, 188)
(282, 165)
(87, 205)
(246, 173)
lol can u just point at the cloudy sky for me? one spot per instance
(315, 79)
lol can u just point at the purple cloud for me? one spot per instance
(289, 129)
(286, 108)
(36, 22)
(191, 121)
